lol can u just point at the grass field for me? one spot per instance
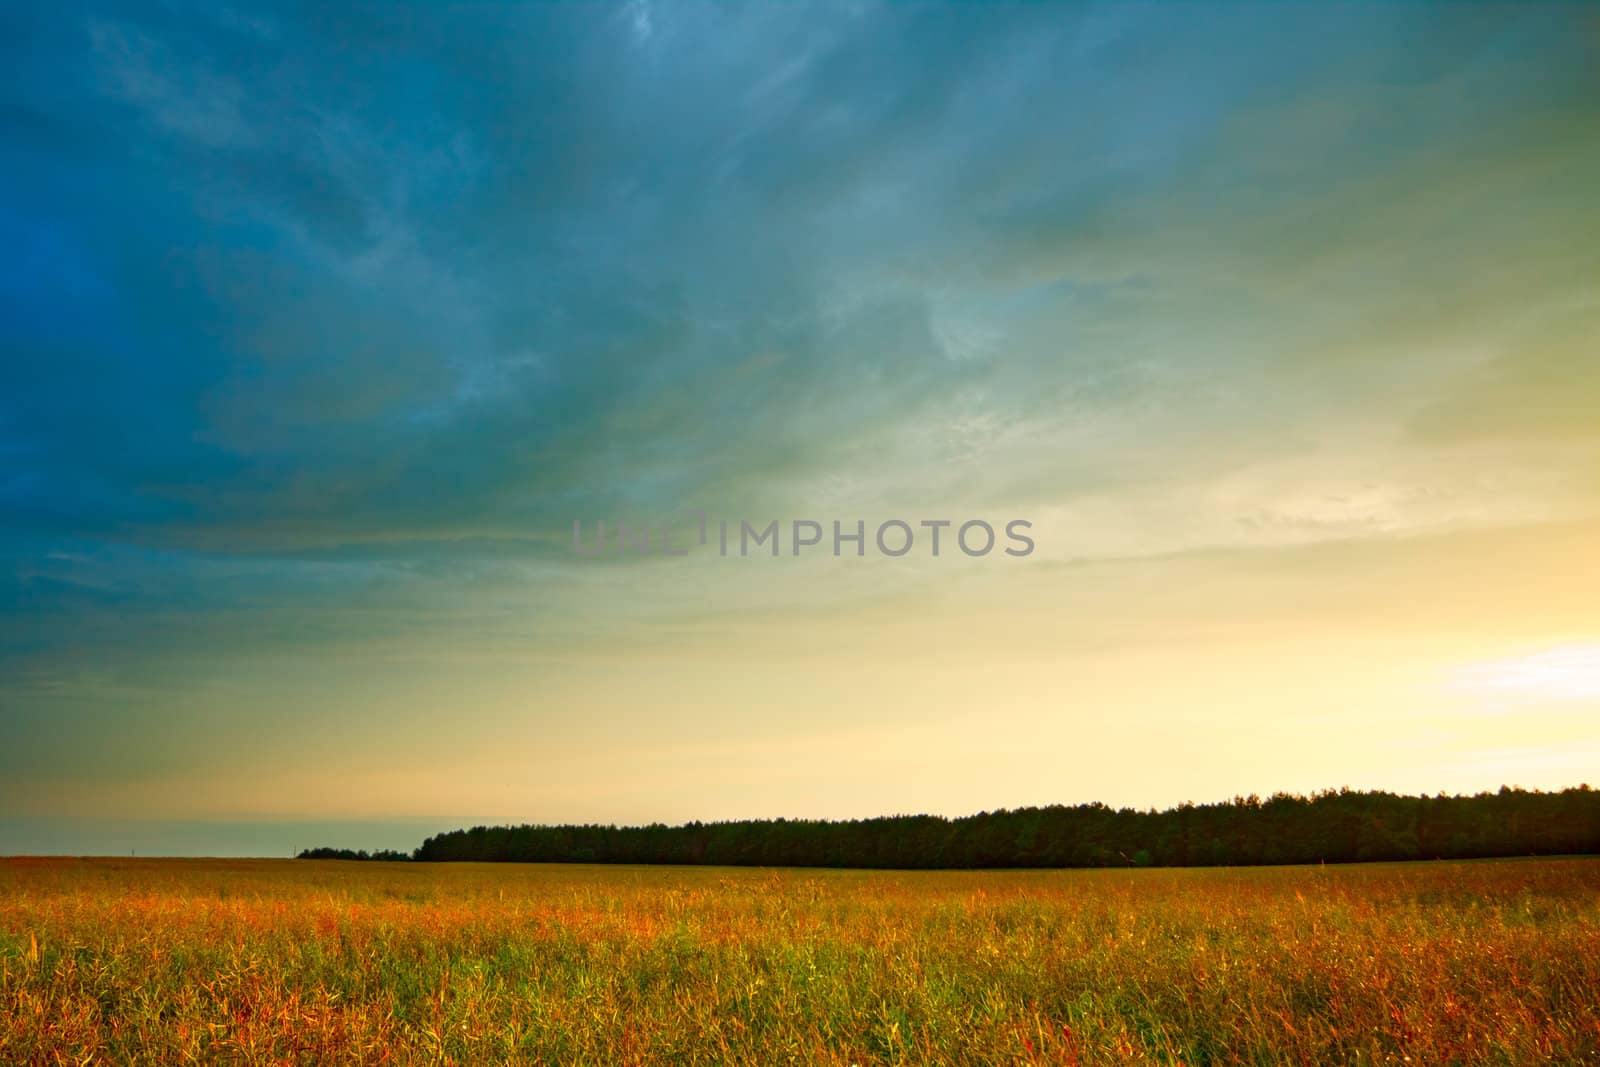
(284, 961)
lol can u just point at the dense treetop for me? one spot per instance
(1340, 826)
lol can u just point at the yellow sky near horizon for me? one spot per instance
(1448, 662)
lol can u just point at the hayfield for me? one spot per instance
(284, 961)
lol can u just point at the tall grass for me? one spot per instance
(266, 962)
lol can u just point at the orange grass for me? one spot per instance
(286, 961)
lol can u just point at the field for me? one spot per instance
(293, 961)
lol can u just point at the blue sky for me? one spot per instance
(322, 324)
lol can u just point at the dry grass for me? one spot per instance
(279, 961)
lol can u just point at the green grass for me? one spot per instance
(266, 961)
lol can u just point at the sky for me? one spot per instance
(321, 326)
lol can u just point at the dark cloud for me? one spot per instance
(389, 288)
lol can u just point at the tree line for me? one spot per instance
(1334, 826)
(383, 855)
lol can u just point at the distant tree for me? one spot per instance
(1334, 826)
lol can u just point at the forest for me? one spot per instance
(1334, 826)
(382, 855)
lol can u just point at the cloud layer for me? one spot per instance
(321, 325)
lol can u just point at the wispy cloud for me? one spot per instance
(322, 326)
